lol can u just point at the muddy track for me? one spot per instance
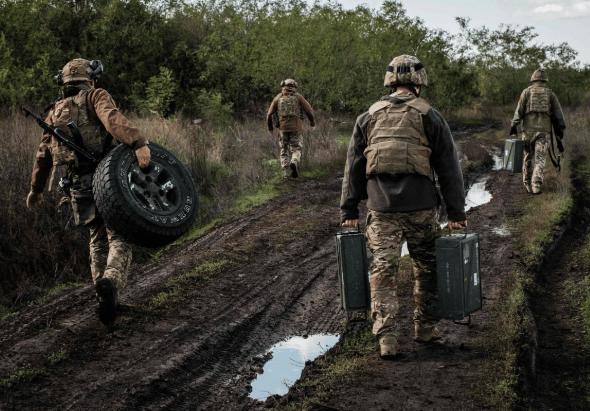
(201, 353)
(204, 350)
(557, 371)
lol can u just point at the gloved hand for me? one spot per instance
(513, 131)
(34, 200)
(143, 156)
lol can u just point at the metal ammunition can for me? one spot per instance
(458, 275)
(353, 272)
(513, 155)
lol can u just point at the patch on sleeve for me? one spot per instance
(378, 106)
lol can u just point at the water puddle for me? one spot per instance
(502, 230)
(288, 360)
(498, 163)
(477, 195)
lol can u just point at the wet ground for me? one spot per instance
(207, 346)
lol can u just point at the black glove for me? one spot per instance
(513, 131)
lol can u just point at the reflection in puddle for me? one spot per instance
(498, 163)
(287, 363)
(477, 195)
(502, 230)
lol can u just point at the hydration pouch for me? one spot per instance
(353, 273)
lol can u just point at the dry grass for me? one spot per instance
(43, 248)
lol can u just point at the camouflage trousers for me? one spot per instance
(535, 156)
(290, 141)
(110, 255)
(385, 233)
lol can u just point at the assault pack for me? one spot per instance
(288, 106)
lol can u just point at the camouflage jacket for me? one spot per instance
(538, 121)
(291, 123)
(406, 192)
(101, 109)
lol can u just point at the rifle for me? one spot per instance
(555, 158)
(76, 144)
(275, 120)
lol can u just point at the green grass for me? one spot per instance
(28, 373)
(5, 312)
(542, 214)
(350, 361)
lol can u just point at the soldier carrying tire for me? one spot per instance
(101, 127)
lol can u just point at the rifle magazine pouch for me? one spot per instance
(513, 155)
(458, 278)
(353, 273)
(83, 205)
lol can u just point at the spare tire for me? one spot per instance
(150, 207)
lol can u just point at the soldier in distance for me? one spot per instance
(98, 119)
(538, 111)
(395, 148)
(289, 106)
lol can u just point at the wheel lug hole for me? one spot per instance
(148, 179)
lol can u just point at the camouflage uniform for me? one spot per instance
(94, 112)
(539, 110)
(395, 148)
(385, 234)
(290, 106)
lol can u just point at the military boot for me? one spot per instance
(294, 169)
(389, 346)
(536, 188)
(528, 187)
(107, 301)
(425, 333)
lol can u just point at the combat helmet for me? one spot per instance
(79, 70)
(289, 83)
(405, 70)
(539, 75)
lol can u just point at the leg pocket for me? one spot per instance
(84, 207)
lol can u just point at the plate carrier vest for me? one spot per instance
(396, 140)
(537, 115)
(93, 135)
(288, 106)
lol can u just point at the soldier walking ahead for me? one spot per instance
(538, 109)
(290, 105)
(394, 149)
(98, 119)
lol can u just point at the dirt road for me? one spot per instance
(203, 317)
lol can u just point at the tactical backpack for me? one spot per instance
(74, 109)
(288, 106)
(538, 110)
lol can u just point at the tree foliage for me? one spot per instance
(167, 56)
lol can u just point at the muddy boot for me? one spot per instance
(536, 189)
(294, 169)
(389, 346)
(528, 187)
(425, 333)
(107, 301)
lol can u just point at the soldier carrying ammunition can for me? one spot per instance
(93, 120)
(395, 149)
(539, 112)
(290, 106)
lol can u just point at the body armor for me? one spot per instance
(93, 135)
(538, 110)
(288, 106)
(396, 142)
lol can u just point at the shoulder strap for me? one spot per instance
(378, 106)
(420, 104)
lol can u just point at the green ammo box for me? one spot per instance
(457, 268)
(513, 155)
(353, 273)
